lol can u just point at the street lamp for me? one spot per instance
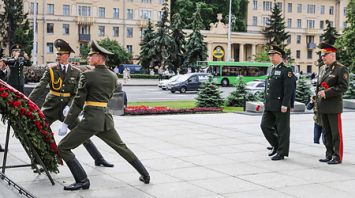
(229, 31)
(34, 49)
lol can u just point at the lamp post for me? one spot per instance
(229, 31)
(34, 49)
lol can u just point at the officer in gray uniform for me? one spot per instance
(96, 87)
(275, 122)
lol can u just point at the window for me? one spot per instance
(322, 9)
(289, 7)
(299, 23)
(255, 21)
(309, 69)
(255, 4)
(266, 21)
(289, 40)
(84, 11)
(310, 39)
(299, 8)
(50, 49)
(101, 30)
(129, 49)
(331, 23)
(267, 5)
(146, 1)
(116, 13)
(129, 13)
(129, 32)
(50, 28)
(321, 24)
(146, 14)
(65, 29)
(331, 10)
(311, 9)
(298, 54)
(299, 39)
(32, 8)
(309, 54)
(115, 31)
(310, 24)
(160, 15)
(289, 23)
(101, 13)
(66, 10)
(50, 9)
(279, 5)
(344, 11)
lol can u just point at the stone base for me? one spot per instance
(349, 103)
(253, 106)
(299, 107)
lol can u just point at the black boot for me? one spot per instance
(141, 170)
(1, 149)
(99, 160)
(81, 179)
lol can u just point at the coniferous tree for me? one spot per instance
(162, 40)
(237, 97)
(177, 50)
(329, 35)
(196, 49)
(275, 31)
(145, 57)
(350, 93)
(14, 26)
(345, 43)
(303, 90)
(209, 95)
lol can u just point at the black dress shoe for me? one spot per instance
(334, 161)
(273, 151)
(325, 160)
(103, 162)
(269, 147)
(145, 179)
(277, 157)
(85, 184)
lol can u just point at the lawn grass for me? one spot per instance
(180, 104)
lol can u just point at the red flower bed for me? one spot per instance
(144, 110)
(28, 120)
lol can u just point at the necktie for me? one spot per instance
(63, 71)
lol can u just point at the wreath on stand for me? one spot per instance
(28, 120)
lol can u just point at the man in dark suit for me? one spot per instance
(275, 122)
(63, 80)
(332, 85)
(96, 87)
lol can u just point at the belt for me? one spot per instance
(59, 93)
(95, 104)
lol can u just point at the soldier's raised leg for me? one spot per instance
(99, 159)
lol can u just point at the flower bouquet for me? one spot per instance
(28, 120)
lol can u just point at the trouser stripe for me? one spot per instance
(340, 137)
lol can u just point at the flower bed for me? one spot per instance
(28, 120)
(145, 110)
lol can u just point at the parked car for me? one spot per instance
(255, 86)
(188, 82)
(164, 83)
(133, 69)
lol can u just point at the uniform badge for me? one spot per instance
(277, 73)
(346, 76)
(289, 74)
(72, 78)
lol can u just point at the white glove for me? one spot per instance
(63, 129)
(66, 111)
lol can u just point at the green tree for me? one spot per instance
(162, 40)
(350, 93)
(345, 43)
(209, 95)
(14, 26)
(275, 31)
(262, 56)
(236, 97)
(196, 49)
(329, 35)
(145, 57)
(84, 51)
(120, 56)
(303, 90)
(177, 50)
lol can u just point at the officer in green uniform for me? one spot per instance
(275, 122)
(16, 63)
(96, 87)
(63, 81)
(332, 85)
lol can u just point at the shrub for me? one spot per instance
(209, 95)
(145, 110)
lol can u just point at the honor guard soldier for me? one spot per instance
(96, 87)
(16, 63)
(332, 85)
(63, 80)
(275, 122)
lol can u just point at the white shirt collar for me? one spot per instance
(66, 67)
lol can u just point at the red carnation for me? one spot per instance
(324, 85)
(29, 114)
(43, 132)
(38, 125)
(40, 114)
(257, 108)
(16, 103)
(4, 95)
(54, 146)
(22, 111)
(48, 139)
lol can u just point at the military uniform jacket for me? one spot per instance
(95, 85)
(278, 88)
(16, 77)
(334, 82)
(53, 105)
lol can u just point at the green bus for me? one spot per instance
(226, 73)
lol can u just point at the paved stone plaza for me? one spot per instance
(200, 156)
